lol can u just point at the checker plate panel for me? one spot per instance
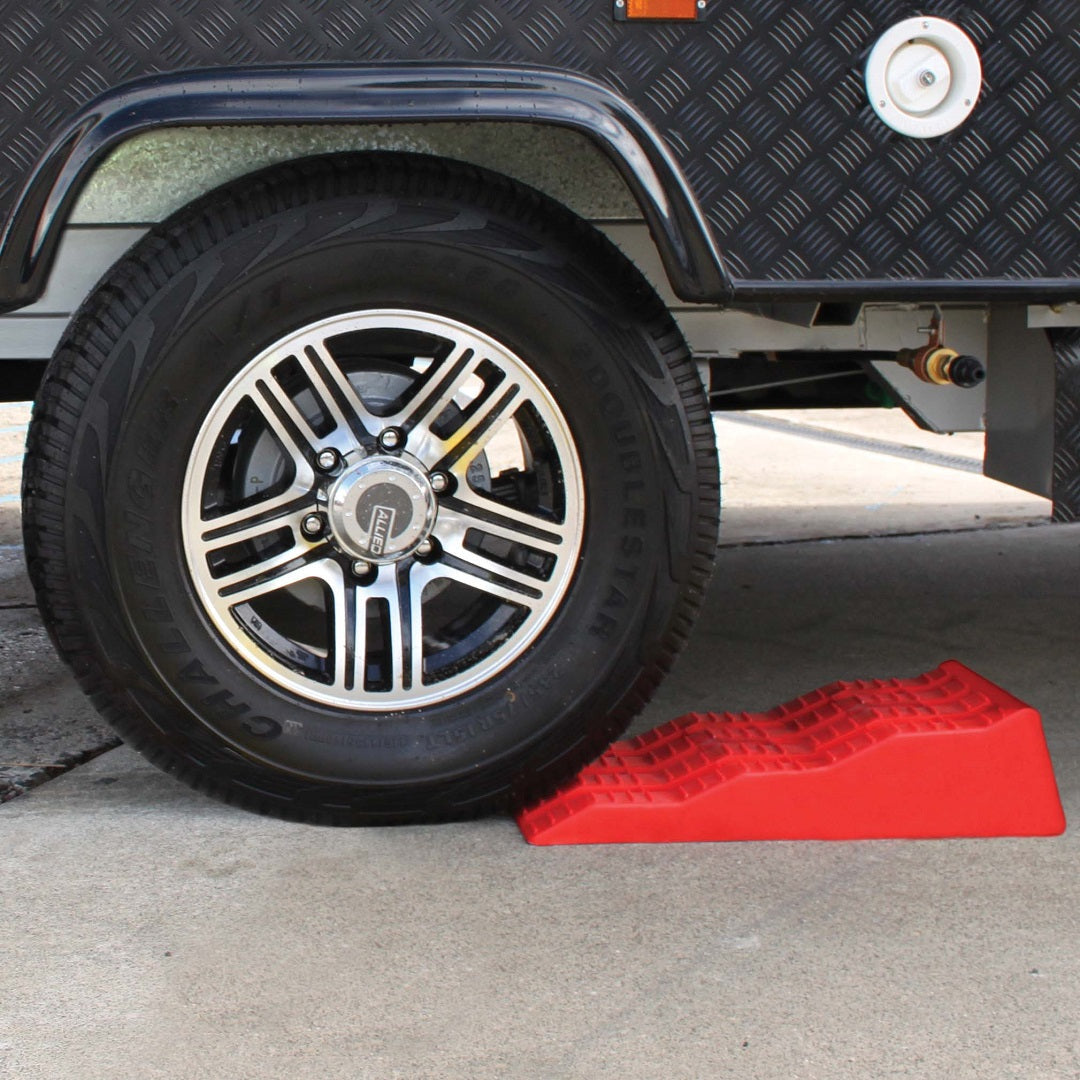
(762, 102)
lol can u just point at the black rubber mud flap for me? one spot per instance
(1066, 477)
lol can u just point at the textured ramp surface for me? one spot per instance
(762, 102)
(944, 754)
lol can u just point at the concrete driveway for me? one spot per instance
(150, 932)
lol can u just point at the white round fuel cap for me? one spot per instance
(923, 77)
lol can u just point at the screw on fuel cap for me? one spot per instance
(924, 77)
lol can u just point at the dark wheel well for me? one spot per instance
(20, 379)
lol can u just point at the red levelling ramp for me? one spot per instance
(944, 754)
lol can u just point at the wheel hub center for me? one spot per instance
(381, 509)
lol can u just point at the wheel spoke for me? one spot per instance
(478, 577)
(470, 439)
(349, 627)
(459, 449)
(285, 420)
(335, 391)
(293, 428)
(457, 515)
(272, 574)
(474, 562)
(260, 519)
(405, 648)
(447, 381)
(254, 524)
(453, 530)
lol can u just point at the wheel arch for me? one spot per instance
(321, 95)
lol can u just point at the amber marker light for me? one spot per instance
(682, 10)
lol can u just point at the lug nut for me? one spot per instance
(391, 438)
(425, 549)
(312, 526)
(361, 568)
(440, 483)
(327, 460)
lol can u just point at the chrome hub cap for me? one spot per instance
(382, 510)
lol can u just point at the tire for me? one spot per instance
(371, 489)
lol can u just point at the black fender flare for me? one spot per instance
(327, 94)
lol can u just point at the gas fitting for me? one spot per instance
(936, 363)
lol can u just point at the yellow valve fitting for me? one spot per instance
(935, 364)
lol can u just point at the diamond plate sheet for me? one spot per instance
(762, 102)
